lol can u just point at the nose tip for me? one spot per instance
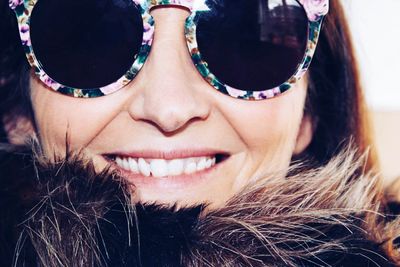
(172, 113)
(169, 103)
(169, 88)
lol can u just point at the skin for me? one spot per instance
(167, 107)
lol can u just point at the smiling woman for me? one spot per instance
(159, 130)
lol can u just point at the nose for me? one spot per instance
(169, 86)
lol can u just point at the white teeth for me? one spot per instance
(175, 167)
(125, 163)
(159, 167)
(202, 164)
(118, 160)
(163, 168)
(209, 162)
(144, 167)
(134, 167)
(190, 167)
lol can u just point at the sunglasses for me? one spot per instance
(247, 49)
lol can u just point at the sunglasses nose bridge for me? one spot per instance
(170, 87)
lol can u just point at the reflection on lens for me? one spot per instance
(253, 44)
(86, 43)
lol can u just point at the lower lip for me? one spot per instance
(177, 181)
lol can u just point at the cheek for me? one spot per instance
(269, 128)
(60, 118)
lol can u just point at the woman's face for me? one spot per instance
(190, 143)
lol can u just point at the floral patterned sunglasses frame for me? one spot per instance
(315, 10)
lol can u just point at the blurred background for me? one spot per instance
(376, 32)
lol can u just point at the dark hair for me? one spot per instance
(14, 71)
(335, 99)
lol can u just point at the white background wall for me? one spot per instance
(376, 32)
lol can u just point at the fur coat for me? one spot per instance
(66, 214)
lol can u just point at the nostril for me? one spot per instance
(170, 107)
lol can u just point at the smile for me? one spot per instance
(164, 168)
(172, 164)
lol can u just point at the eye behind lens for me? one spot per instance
(253, 45)
(86, 43)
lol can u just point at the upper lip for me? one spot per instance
(168, 154)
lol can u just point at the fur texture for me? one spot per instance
(66, 214)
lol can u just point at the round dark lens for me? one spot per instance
(86, 43)
(253, 44)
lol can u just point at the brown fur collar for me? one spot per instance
(65, 214)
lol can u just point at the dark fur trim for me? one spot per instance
(64, 214)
